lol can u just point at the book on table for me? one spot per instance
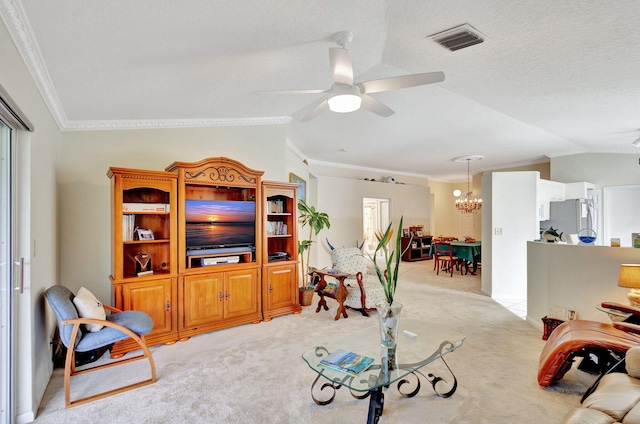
(346, 362)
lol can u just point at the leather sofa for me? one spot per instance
(616, 398)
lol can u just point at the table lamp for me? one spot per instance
(630, 277)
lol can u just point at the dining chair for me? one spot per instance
(84, 334)
(444, 258)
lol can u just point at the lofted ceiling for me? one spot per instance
(552, 77)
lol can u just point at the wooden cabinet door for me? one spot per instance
(154, 297)
(280, 291)
(241, 293)
(203, 300)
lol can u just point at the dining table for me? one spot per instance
(468, 252)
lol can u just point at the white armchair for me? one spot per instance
(364, 289)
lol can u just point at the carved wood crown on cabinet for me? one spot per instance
(218, 171)
(126, 173)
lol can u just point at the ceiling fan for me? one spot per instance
(346, 96)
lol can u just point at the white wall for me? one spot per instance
(341, 198)
(360, 173)
(85, 227)
(575, 277)
(487, 230)
(447, 221)
(510, 203)
(620, 214)
(38, 156)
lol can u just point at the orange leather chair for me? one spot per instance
(608, 343)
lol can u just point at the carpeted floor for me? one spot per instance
(255, 374)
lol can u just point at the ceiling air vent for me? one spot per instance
(458, 38)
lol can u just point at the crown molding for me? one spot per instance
(172, 123)
(618, 151)
(14, 18)
(364, 168)
(293, 149)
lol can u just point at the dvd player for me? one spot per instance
(220, 260)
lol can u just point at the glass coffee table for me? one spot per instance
(419, 343)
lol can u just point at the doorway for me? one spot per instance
(375, 217)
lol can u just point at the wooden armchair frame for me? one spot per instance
(119, 326)
(70, 367)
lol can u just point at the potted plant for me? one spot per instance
(389, 311)
(316, 221)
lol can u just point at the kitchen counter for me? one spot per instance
(577, 277)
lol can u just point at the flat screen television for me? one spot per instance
(212, 224)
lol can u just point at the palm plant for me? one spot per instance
(316, 221)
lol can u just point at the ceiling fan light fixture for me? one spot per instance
(344, 103)
(344, 99)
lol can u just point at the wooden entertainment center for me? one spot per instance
(189, 289)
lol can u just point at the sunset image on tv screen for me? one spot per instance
(215, 211)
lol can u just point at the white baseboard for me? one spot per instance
(27, 417)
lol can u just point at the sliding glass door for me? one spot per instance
(7, 292)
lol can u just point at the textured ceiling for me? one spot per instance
(552, 77)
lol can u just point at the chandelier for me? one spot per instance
(464, 202)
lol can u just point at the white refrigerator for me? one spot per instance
(571, 216)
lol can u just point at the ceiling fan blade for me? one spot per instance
(322, 107)
(293, 91)
(405, 81)
(375, 106)
(341, 66)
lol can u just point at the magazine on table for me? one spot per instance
(346, 362)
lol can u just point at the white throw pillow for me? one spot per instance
(89, 307)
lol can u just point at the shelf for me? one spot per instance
(280, 275)
(282, 261)
(156, 273)
(418, 253)
(147, 241)
(146, 213)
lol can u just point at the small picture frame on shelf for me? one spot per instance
(405, 232)
(418, 233)
(414, 244)
(144, 234)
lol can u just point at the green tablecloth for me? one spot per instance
(463, 250)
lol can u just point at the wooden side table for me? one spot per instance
(550, 324)
(340, 295)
